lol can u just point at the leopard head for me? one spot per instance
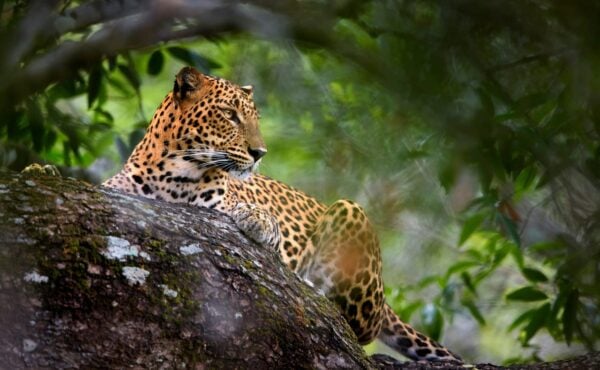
(210, 123)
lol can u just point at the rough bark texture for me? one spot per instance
(91, 278)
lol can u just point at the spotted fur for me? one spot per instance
(201, 148)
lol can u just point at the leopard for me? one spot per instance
(203, 146)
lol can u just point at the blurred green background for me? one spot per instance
(468, 130)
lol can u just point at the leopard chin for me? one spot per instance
(244, 173)
(241, 174)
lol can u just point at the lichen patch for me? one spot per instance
(119, 249)
(35, 277)
(190, 249)
(168, 291)
(29, 345)
(145, 256)
(135, 275)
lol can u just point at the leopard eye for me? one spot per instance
(231, 115)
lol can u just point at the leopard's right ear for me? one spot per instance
(187, 83)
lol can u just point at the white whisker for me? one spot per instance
(204, 157)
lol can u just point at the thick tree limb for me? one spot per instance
(95, 279)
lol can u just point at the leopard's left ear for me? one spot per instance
(248, 89)
(187, 81)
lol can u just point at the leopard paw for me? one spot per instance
(257, 224)
(36, 169)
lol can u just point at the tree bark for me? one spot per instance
(92, 278)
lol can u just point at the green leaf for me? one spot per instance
(547, 247)
(136, 135)
(510, 228)
(501, 253)
(122, 149)
(470, 305)
(408, 310)
(482, 202)
(356, 33)
(487, 104)
(525, 180)
(517, 254)
(448, 294)
(66, 156)
(36, 125)
(193, 59)
(469, 226)
(466, 278)
(182, 54)
(527, 294)
(447, 176)
(50, 139)
(569, 317)
(531, 101)
(522, 318)
(131, 75)
(432, 320)
(13, 121)
(534, 275)
(119, 85)
(112, 62)
(156, 63)
(461, 266)
(537, 321)
(74, 143)
(428, 280)
(66, 89)
(94, 83)
(508, 116)
(103, 117)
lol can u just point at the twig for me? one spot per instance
(529, 59)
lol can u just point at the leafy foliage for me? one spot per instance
(469, 130)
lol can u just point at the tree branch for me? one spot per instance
(157, 22)
(92, 278)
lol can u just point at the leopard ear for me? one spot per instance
(248, 89)
(187, 81)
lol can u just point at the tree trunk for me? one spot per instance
(92, 278)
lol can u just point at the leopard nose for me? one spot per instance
(257, 153)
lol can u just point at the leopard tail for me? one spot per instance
(410, 343)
